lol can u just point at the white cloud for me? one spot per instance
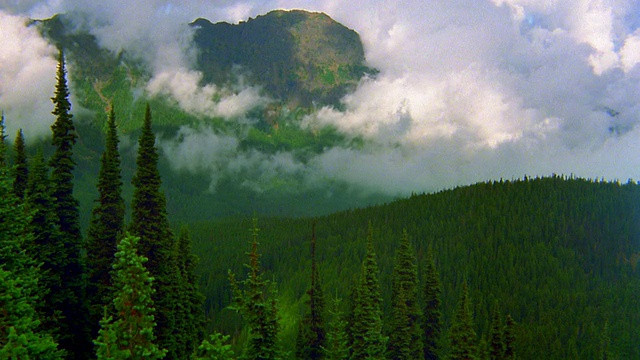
(27, 78)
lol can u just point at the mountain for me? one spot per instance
(299, 57)
(298, 60)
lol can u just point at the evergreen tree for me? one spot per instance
(107, 223)
(45, 245)
(368, 341)
(216, 348)
(149, 222)
(509, 339)
(605, 341)
(21, 336)
(21, 170)
(462, 334)
(405, 340)
(432, 314)
(258, 309)
(130, 335)
(337, 340)
(190, 312)
(497, 343)
(312, 336)
(74, 328)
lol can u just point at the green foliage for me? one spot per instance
(216, 348)
(337, 339)
(131, 334)
(368, 341)
(405, 338)
(149, 222)
(74, 335)
(312, 335)
(432, 314)
(107, 223)
(21, 336)
(497, 348)
(257, 308)
(21, 169)
(462, 333)
(509, 339)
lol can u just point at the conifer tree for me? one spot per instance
(432, 314)
(605, 340)
(74, 328)
(21, 169)
(21, 336)
(45, 244)
(509, 339)
(190, 311)
(497, 343)
(216, 348)
(131, 334)
(107, 223)
(462, 334)
(312, 336)
(258, 309)
(337, 340)
(149, 222)
(405, 340)
(368, 341)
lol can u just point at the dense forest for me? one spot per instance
(528, 268)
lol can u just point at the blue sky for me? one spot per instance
(469, 90)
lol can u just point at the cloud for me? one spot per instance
(27, 78)
(467, 90)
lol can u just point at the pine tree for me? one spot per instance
(605, 341)
(368, 341)
(258, 309)
(216, 348)
(405, 340)
(21, 336)
(312, 336)
(130, 335)
(45, 245)
(337, 340)
(497, 343)
(149, 222)
(107, 223)
(190, 312)
(509, 339)
(432, 314)
(462, 334)
(74, 329)
(21, 170)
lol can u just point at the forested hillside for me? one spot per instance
(558, 254)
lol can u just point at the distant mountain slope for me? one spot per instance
(298, 56)
(560, 255)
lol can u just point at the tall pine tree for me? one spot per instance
(405, 339)
(462, 333)
(21, 336)
(149, 222)
(258, 309)
(509, 338)
(74, 327)
(368, 341)
(130, 335)
(21, 169)
(432, 313)
(337, 340)
(312, 335)
(190, 311)
(496, 347)
(107, 223)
